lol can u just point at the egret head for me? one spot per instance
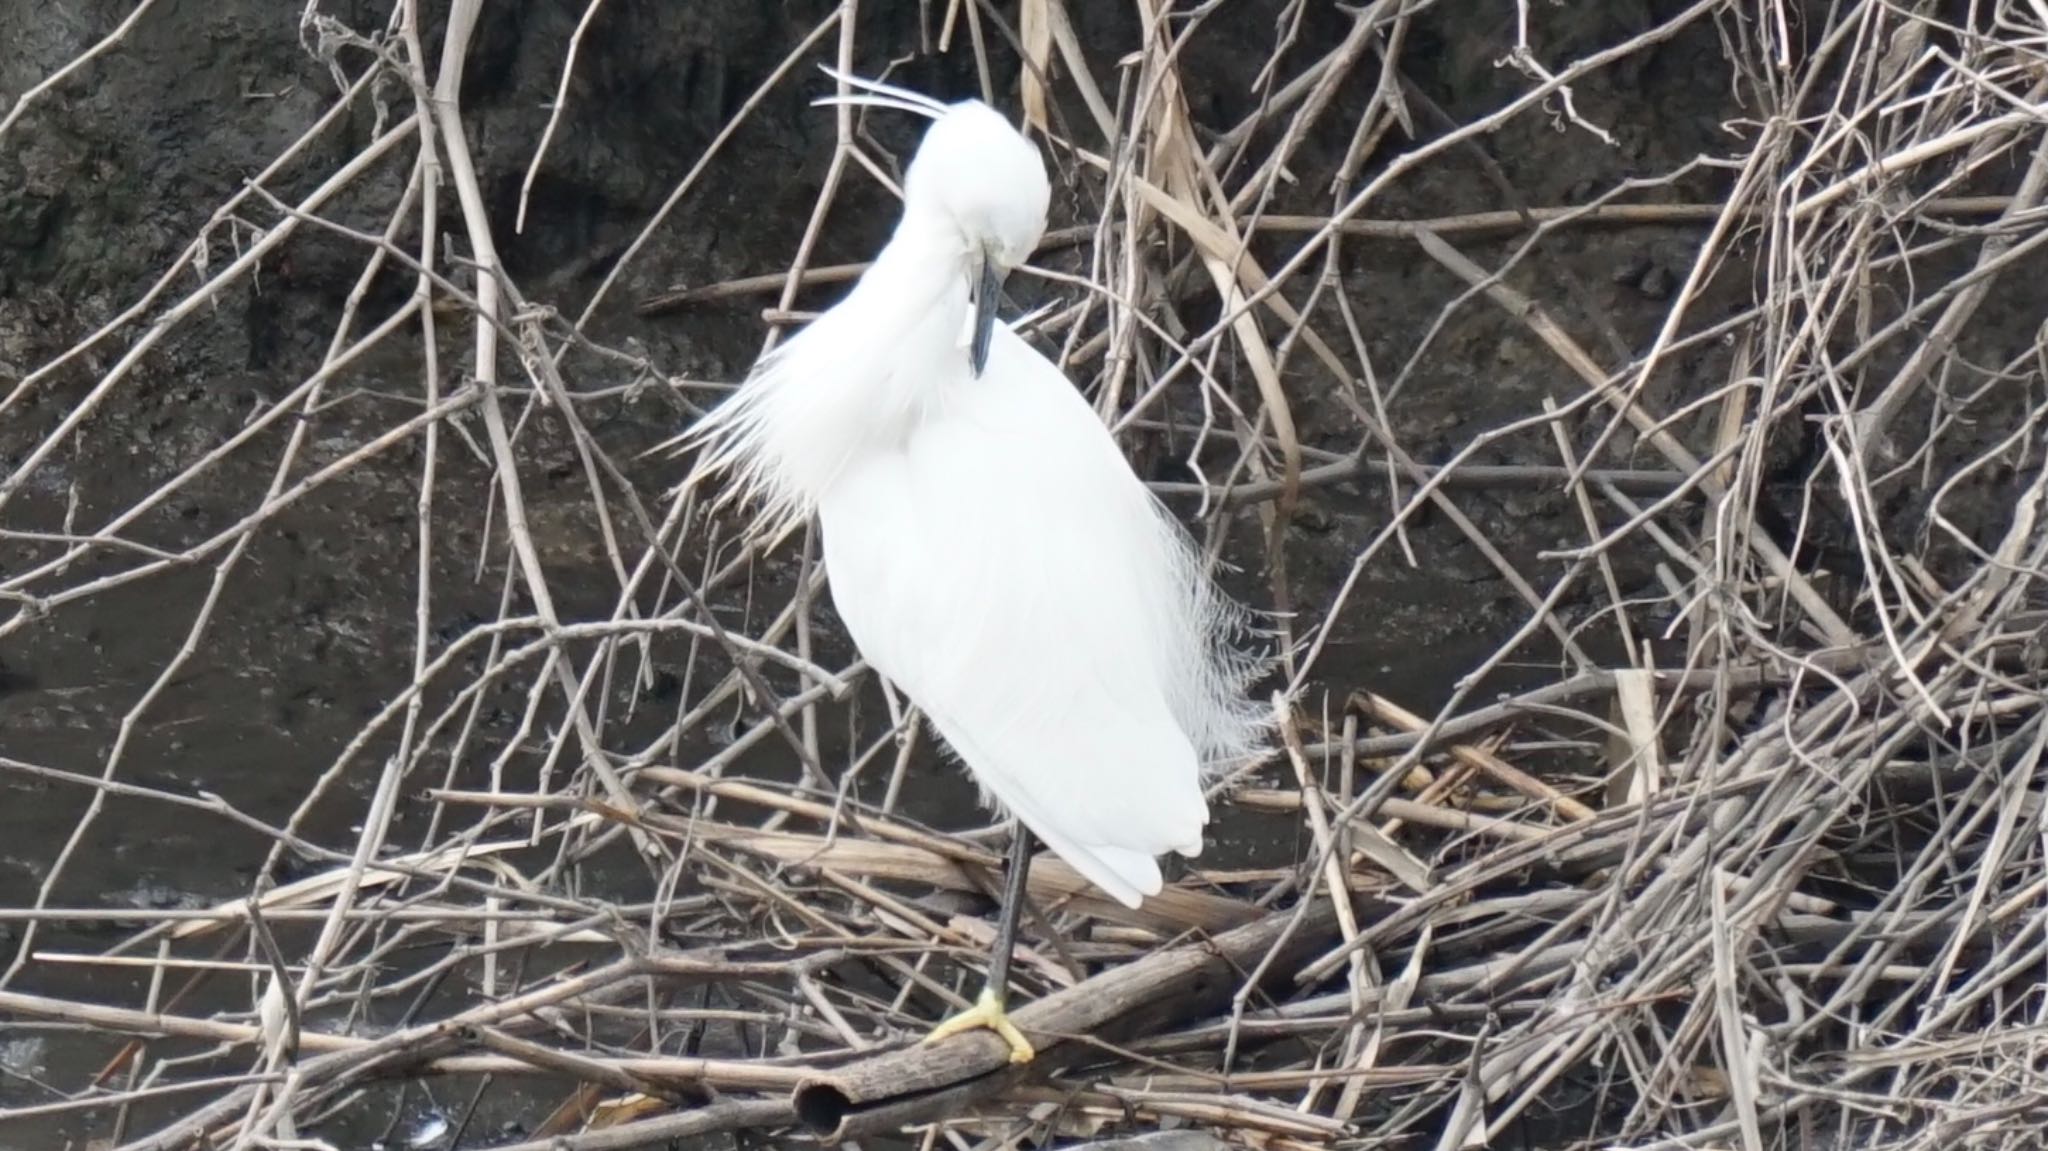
(982, 176)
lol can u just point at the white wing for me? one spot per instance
(1008, 571)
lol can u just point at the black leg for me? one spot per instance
(1012, 913)
(988, 1010)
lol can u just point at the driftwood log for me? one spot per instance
(1169, 987)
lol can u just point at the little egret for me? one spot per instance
(987, 546)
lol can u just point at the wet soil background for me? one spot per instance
(105, 180)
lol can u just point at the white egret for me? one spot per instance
(987, 545)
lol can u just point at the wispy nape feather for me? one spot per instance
(734, 440)
(875, 94)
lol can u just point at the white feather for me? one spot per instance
(986, 543)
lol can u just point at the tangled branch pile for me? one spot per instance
(1762, 866)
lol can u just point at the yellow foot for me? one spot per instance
(987, 1014)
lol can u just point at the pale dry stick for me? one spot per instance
(1336, 882)
(1408, 161)
(241, 534)
(1394, 1000)
(906, 729)
(1250, 1118)
(2010, 805)
(1467, 223)
(1199, 228)
(1034, 75)
(430, 382)
(980, 49)
(1707, 637)
(1523, 60)
(1583, 499)
(688, 1127)
(1848, 130)
(1601, 213)
(1736, 1048)
(104, 44)
(1994, 591)
(1260, 185)
(1433, 790)
(198, 298)
(1817, 608)
(246, 434)
(1856, 500)
(1115, 262)
(448, 116)
(1174, 150)
(1394, 715)
(1913, 157)
(879, 826)
(124, 1098)
(1118, 267)
(1532, 236)
(221, 916)
(1288, 29)
(916, 927)
(561, 102)
(1428, 487)
(1369, 377)
(1872, 421)
(1069, 44)
(1406, 810)
(194, 253)
(843, 146)
(595, 458)
(410, 1044)
(1383, 470)
(1224, 153)
(1387, 93)
(1643, 518)
(801, 606)
(428, 190)
(946, 26)
(703, 162)
(203, 802)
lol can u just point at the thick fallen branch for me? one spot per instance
(1166, 989)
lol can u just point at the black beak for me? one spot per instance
(988, 290)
